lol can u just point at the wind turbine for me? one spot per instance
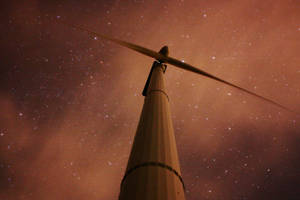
(153, 170)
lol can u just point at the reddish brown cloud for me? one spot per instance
(70, 104)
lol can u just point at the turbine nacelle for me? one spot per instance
(163, 51)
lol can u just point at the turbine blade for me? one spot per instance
(173, 61)
(182, 65)
(129, 45)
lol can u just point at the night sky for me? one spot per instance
(70, 102)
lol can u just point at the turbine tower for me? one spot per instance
(153, 170)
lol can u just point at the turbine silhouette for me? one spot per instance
(153, 170)
(162, 57)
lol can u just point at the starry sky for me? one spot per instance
(70, 102)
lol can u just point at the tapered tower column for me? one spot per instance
(153, 170)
